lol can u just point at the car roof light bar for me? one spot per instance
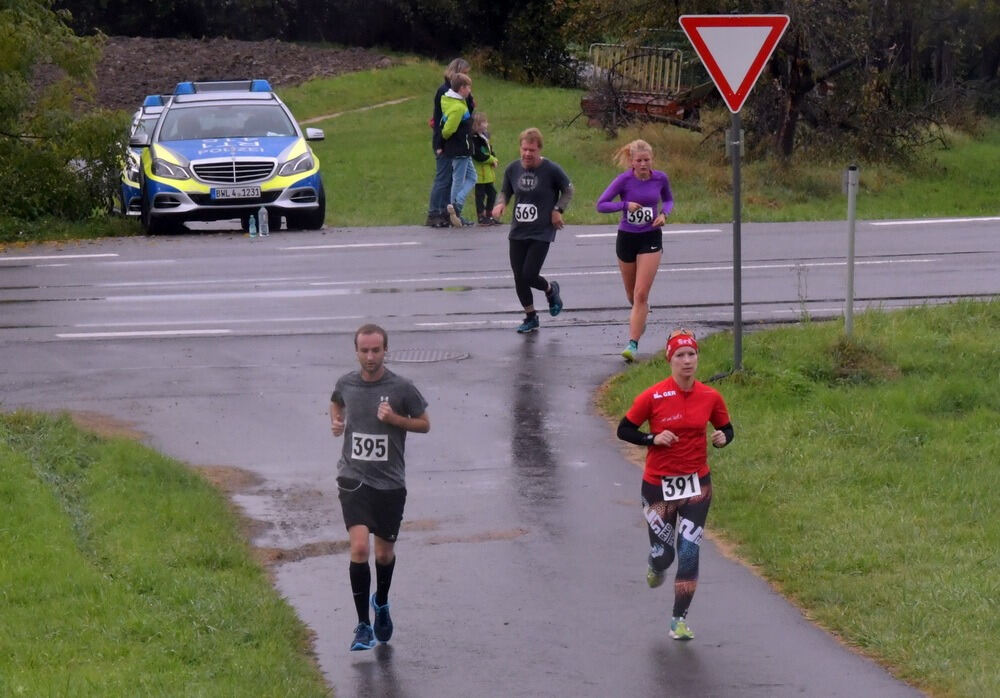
(153, 101)
(188, 87)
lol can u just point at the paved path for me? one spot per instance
(521, 565)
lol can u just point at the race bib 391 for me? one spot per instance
(680, 486)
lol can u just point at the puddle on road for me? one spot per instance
(484, 537)
(285, 512)
(106, 426)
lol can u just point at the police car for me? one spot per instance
(143, 122)
(222, 150)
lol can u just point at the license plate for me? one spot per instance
(236, 193)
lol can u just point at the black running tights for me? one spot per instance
(526, 259)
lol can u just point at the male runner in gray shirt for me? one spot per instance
(372, 409)
(543, 192)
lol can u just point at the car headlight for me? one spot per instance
(302, 163)
(162, 168)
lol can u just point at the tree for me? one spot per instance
(867, 76)
(55, 157)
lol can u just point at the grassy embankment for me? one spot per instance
(124, 573)
(377, 164)
(864, 481)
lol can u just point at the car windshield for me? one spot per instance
(225, 121)
(145, 125)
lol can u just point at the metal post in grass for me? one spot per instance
(734, 143)
(851, 185)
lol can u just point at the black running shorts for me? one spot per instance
(381, 511)
(631, 245)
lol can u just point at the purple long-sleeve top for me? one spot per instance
(647, 193)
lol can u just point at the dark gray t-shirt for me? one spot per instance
(537, 192)
(373, 450)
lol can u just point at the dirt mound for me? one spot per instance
(132, 68)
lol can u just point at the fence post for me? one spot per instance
(852, 199)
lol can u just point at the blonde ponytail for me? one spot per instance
(623, 156)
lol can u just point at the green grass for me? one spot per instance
(377, 164)
(864, 480)
(124, 573)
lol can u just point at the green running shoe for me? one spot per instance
(679, 629)
(654, 578)
(630, 351)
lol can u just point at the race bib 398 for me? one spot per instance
(640, 216)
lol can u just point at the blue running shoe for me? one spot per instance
(364, 637)
(555, 300)
(530, 324)
(383, 621)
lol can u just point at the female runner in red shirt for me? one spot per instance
(676, 485)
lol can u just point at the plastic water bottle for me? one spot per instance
(253, 227)
(265, 229)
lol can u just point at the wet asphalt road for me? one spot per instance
(522, 559)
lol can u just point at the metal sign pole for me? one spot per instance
(852, 198)
(735, 146)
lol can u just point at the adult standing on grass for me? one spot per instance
(543, 191)
(645, 201)
(437, 215)
(373, 408)
(676, 484)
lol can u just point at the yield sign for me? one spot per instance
(734, 49)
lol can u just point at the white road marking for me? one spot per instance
(561, 274)
(352, 245)
(933, 221)
(692, 231)
(234, 294)
(204, 282)
(149, 333)
(32, 258)
(466, 323)
(247, 321)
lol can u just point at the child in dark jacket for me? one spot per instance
(486, 165)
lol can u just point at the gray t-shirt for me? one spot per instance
(537, 192)
(373, 450)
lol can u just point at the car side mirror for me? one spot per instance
(139, 140)
(315, 134)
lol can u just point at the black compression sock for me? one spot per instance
(383, 579)
(361, 582)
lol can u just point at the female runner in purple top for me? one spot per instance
(645, 202)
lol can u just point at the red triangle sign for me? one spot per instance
(734, 49)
